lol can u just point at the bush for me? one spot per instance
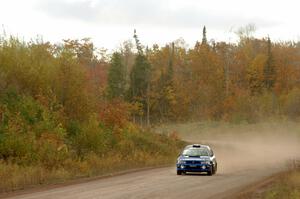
(92, 138)
(29, 132)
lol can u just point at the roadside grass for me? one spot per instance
(284, 185)
(16, 177)
(287, 187)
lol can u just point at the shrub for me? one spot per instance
(91, 138)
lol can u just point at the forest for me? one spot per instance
(67, 107)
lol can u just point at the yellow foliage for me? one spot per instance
(255, 75)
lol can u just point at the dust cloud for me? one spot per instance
(248, 146)
(251, 152)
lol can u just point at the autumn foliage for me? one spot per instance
(57, 121)
(115, 114)
(65, 107)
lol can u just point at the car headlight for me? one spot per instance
(181, 162)
(206, 162)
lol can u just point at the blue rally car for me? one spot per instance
(197, 158)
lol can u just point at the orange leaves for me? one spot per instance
(114, 114)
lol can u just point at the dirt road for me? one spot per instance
(241, 160)
(156, 183)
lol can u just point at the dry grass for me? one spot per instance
(287, 187)
(283, 186)
(15, 177)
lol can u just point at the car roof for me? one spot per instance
(197, 146)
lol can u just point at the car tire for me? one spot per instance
(210, 172)
(179, 172)
(215, 169)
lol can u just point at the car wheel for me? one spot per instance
(210, 172)
(215, 169)
(179, 172)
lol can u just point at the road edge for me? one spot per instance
(246, 190)
(45, 187)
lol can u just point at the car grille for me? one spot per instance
(193, 162)
(193, 167)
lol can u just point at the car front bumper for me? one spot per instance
(193, 167)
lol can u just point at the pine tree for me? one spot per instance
(140, 79)
(204, 39)
(168, 75)
(269, 71)
(116, 77)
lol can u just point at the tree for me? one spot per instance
(255, 76)
(204, 39)
(164, 85)
(246, 32)
(116, 77)
(140, 78)
(71, 86)
(269, 71)
(128, 57)
(83, 50)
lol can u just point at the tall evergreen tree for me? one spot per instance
(204, 39)
(140, 79)
(269, 71)
(116, 77)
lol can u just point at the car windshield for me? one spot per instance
(195, 152)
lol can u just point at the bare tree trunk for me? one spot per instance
(148, 105)
(227, 75)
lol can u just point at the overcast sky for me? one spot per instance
(109, 22)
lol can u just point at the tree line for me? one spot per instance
(244, 81)
(250, 80)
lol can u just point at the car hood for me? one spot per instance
(201, 158)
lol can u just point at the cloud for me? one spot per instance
(157, 13)
(64, 9)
